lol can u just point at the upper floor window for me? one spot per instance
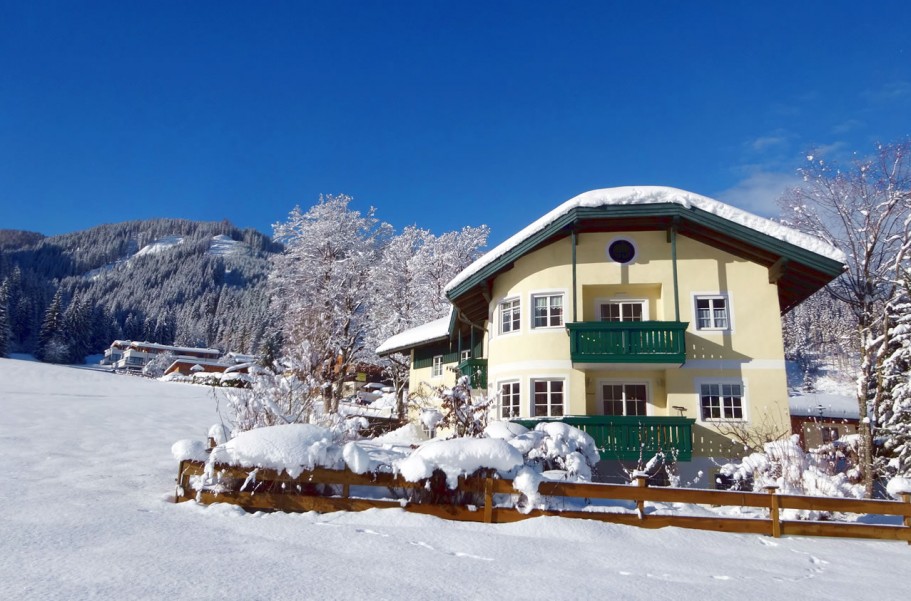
(548, 310)
(465, 355)
(713, 313)
(437, 370)
(721, 401)
(509, 400)
(621, 311)
(548, 398)
(624, 399)
(509, 316)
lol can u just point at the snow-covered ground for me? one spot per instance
(86, 513)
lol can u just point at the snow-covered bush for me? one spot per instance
(553, 450)
(464, 414)
(788, 467)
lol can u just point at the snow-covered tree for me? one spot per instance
(52, 343)
(5, 331)
(865, 211)
(895, 414)
(323, 282)
(410, 278)
(77, 329)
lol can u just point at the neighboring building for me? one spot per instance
(133, 356)
(648, 316)
(820, 419)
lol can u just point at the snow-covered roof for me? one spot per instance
(437, 329)
(644, 195)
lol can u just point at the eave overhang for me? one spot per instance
(798, 272)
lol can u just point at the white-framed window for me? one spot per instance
(721, 401)
(548, 310)
(465, 355)
(713, 312)
(509, 399)
(547, 398)
(622, 311)
(510, 316)
(624, 399)
(437, 370)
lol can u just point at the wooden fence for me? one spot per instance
(489, 499)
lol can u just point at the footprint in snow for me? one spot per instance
(767, 542)
(367, 531)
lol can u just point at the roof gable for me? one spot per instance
(809, 263)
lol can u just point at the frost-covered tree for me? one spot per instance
(410, 278)
(863, 209)
(5, 330)
(77, 324)
(52, 343)
(322, 282)
(895, 414)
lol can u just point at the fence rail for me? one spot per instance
(324, 490)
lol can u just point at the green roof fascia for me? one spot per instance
(696, 215)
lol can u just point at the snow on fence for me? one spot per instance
(484, 498)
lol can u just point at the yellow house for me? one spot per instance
(648, 316)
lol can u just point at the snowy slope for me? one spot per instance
(87, 479)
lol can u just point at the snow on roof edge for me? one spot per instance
(631, 195)
(428, 332)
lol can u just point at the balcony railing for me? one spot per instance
(628, 438)
(627, 341)
(476, 370)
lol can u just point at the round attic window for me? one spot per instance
(621, 251)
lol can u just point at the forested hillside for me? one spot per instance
(170, 281)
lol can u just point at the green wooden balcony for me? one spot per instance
(476, 370)
(628, 342)
(628, 437)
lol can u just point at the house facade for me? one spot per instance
(650, 317)
(132, 356)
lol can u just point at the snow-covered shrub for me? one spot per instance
(661, 467)
(465, 415)
(553, 450)
(793, 471)
(157, 364)
(442, 462)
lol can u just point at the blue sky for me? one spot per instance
(437, 113)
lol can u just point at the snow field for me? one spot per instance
(87, 514)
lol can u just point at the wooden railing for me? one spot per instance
(476, 370)
(630, 437)
(627, 342)
(326, 490)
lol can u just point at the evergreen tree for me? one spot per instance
(4, 319)
(52, 343)
(77, 330)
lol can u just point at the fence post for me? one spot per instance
(488, 500)
(178, 493)
(641, 482)
(906, 497)
(773, 510)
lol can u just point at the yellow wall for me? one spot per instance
(751, 351)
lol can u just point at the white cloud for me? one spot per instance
(759, 192)
(847, 126)
(894, 90)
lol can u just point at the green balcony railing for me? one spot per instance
(628, 438)
(627, 341)
(476, 370)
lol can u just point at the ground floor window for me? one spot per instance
(721, 401)
(509, 400)
(624, 399)
(548, 398)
